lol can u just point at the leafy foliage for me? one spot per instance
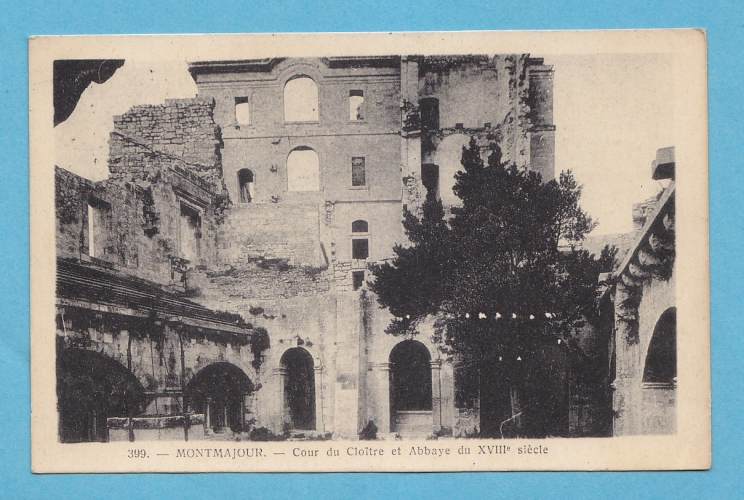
(502, 275)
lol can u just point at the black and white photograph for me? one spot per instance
(454, 252)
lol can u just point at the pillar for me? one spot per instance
(436, 395)
(280, 412)
(207, 415)
(383, 399)
(627, 396)
(319, 424)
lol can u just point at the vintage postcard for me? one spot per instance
(370, 252)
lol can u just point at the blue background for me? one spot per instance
(724, 22)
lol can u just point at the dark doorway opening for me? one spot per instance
(218, 391)
(410, 368)
(410, 389)
(91, 388)
(299, 389)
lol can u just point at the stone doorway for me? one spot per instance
(411, 389)
(299, 388)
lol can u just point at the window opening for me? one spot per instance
(301, 100)
(356, 100)
(359, 226)
(242, 111)
(360, 248)
(357, 279)
(98, 215)
(358, 171)
(190, 233)
(245, 182)
(303, 170)
(429, 113)
(430, 178)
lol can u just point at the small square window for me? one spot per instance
(358, 171)
(359, 248)
(357, 279)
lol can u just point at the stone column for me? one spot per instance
(627, 395)
(436, 395)
(280, 411)
(319, 424)
(383, 399)
(242, 412)
(207, 419)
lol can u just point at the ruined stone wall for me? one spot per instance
(139, 231)
(71, 211)
(180, 133)
(479, 96)
(504, 101)
(160, 158)
(253, 232)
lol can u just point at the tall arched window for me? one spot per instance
(245, 183)
(301, 100)
(242, 111)
(359, 240)
(303, 170)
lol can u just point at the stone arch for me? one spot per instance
(390, 342)
(301, 100)
(660, 366)
(303, 169)
(218, 391)
(299, 398)
(91, 387)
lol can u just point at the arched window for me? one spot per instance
(661, 360)
(242, 111)
(245, 183)
(303, 170)
(356, 100)
(359, 246)
(359, 226)
(301, 100)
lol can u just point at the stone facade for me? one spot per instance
(644, 367)
(236, 201)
